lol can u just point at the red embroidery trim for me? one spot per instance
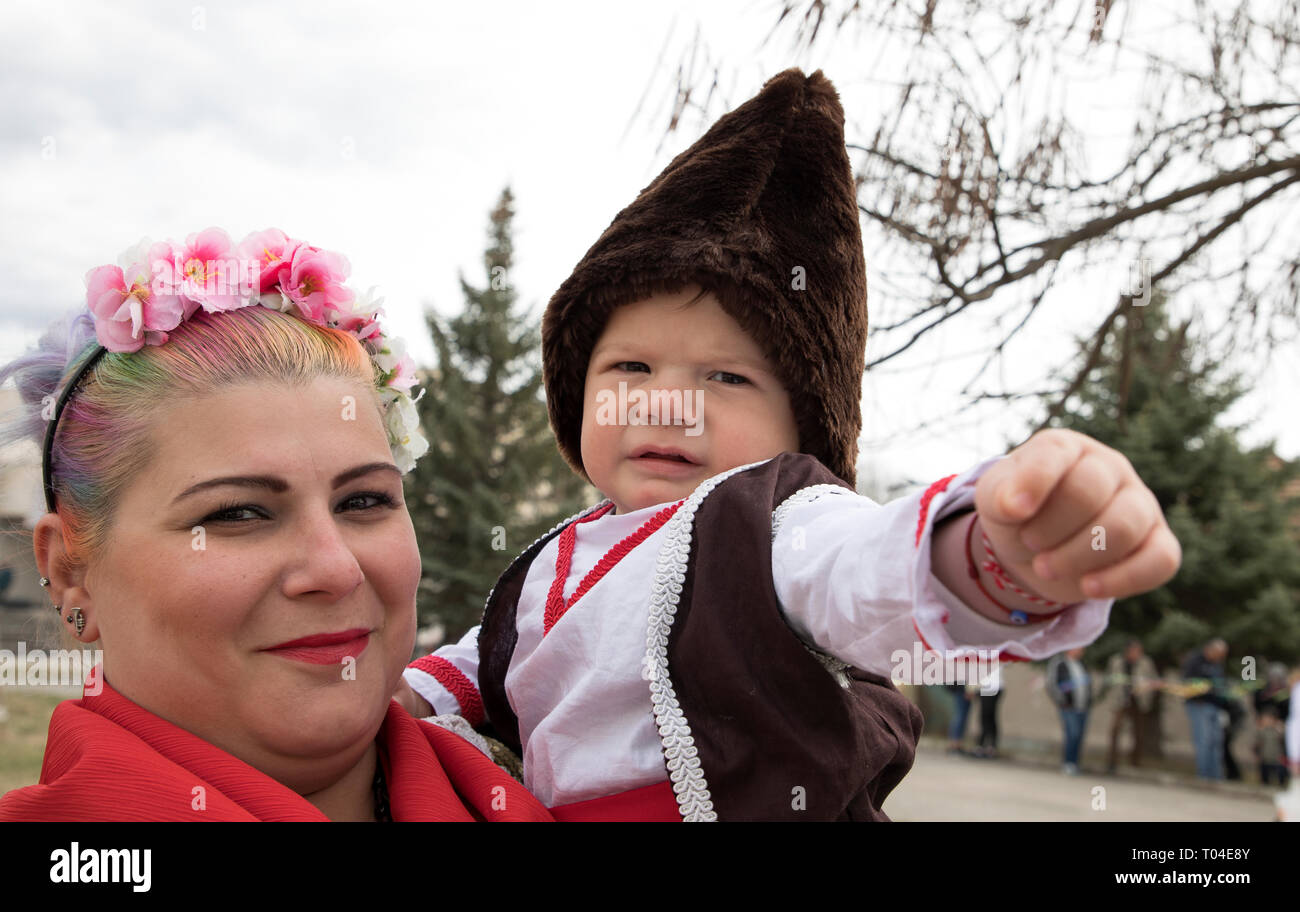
(1003, 656)
(461, 687)
(940, 485)
(556, 605)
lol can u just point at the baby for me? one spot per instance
(716, 640)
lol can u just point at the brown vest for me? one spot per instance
(773, 733)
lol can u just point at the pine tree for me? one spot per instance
(493, 479)
(1152, 397)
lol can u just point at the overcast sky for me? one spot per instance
(386, 132)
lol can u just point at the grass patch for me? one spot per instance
(25, 721)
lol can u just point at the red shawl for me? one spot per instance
(108, 759)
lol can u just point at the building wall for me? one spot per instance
(25, 609)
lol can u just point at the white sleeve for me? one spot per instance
(434, 677)
(854, 580)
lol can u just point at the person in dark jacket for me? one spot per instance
(1071, 688)
(1205, 667)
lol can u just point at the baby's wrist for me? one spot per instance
(1002, 585)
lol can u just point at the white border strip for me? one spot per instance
(680, 755)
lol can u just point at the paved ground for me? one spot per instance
(946, 787)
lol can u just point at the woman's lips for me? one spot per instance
(324, 648)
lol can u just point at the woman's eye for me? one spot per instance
(368, 500)
(632, 366)
(242, 514)
(229, 513)
(728, 378)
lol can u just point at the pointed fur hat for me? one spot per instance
(761, 211)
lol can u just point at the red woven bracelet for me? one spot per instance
(1003, 581)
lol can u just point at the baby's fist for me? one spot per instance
(1071, 519)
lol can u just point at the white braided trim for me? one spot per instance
(801, 497)
(680, 755)
(838, 669)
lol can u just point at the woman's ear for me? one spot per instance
(66, 573)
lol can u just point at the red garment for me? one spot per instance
(649, 804)
(108, 759)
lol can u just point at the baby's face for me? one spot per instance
(718, 401)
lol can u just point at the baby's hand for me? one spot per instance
(1070, 518)
(411, 701)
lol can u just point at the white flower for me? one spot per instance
(367, 303)
(134, 256)
(391, 354)
(403, 425)
(275, 299)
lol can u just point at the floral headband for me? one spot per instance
(157, 286)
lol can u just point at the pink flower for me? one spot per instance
(269, 252)
(361, 319)
(314, 282)
(129, 315)
(403, 377)
(158, 265)
(362, 322)
(211, 272)
(362, 327)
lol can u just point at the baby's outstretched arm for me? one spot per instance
(1068, 519)
(867, 583)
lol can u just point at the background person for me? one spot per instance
(1070, 687)
(1129, 690)
(1204, 668)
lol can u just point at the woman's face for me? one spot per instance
(270, 516)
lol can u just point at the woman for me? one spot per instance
(1070, 687)
(224, 487)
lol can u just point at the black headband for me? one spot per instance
(51, 428)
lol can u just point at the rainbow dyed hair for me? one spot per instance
(103, 436)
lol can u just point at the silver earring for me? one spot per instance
(78, 619)
(58, 609)
(44, 582)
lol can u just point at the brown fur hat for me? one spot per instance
(761, 211)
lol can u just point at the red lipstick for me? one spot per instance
(324, 648)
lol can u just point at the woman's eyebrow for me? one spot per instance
(279, 485)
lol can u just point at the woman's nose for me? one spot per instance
(324, 560)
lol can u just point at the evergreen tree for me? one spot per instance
(493, 479)
(1152, 397)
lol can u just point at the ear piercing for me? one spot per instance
(78, 619)
(75, 617)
